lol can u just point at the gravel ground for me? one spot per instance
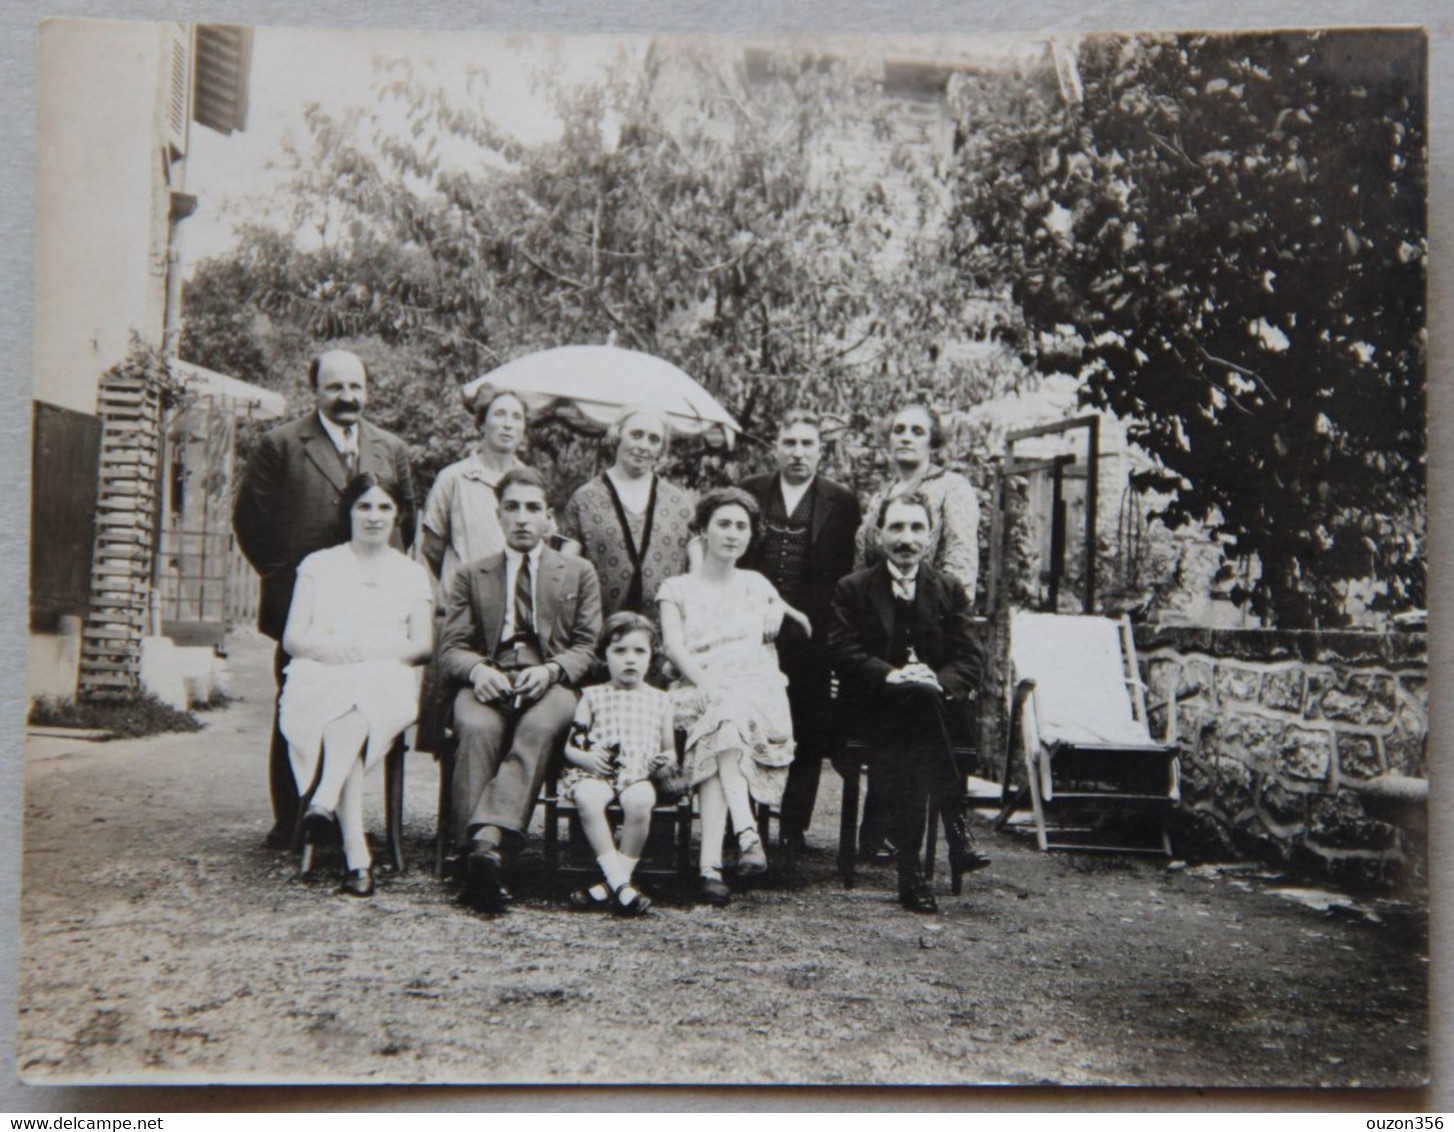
(162, 943)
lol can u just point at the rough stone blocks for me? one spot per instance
(1359, 757)
(1307, 755)
(1198, 781)
(1366, 698)
(1283, 809)
(1196, 679)
(1338, 822)
(1282, 690)
(1236, 684)
(1234, 787)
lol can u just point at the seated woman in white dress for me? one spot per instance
(718, 624)
(359, 627)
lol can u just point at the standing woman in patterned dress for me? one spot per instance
(915, 434)
(633, 526)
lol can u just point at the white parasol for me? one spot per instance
(588, 386)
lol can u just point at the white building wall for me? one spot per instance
(101, 201)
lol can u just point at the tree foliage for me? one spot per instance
(748, 217)
(1225, 238)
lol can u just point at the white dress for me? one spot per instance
(363, 611)
(745, 711)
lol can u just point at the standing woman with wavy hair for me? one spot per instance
(915, 434)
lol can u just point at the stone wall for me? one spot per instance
(1282, 734)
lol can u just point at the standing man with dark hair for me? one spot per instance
(519, 637)
(289, 505)
(806, 545)
(907, 655)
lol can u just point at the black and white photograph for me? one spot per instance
(751, 559)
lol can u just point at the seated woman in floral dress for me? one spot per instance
(718, 625)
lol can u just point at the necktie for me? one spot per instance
(349, 451)
(524, 602)
(904, 587)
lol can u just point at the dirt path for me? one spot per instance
(162, 942)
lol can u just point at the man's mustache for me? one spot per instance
(905, 546)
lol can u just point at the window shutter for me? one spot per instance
(178, 87)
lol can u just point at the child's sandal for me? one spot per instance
(591, 899)
(628, 900)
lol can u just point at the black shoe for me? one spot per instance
(319, 824)
(918, 898)
(280, 836)
(628, 900)
(359, 882)
(483, 882)
(712, 890)
(795, 842)
(963, 856)
(595, 898)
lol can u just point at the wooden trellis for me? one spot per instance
(130, 408)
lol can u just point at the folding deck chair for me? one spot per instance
(1094, 778)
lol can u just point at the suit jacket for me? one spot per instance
(830, 547)
(290, 503)
(567, 614)
(862, 631)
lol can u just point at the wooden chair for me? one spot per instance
(856, 759)
(1078, 721)
(444, 817)
(570, 864)
(393, 812)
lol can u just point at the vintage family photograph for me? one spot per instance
(769, 560)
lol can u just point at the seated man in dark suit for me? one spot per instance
(904, 649)
(519, 635)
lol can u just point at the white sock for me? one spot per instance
(629, 864)
(614, 869)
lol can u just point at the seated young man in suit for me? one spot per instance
(904, 649)
(519, 636)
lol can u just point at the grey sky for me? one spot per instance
(334, 67)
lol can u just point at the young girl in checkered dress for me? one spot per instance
(622, 733)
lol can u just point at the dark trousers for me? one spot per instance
(281, 786)
(502, 758)
(914, 760)
(810, 699)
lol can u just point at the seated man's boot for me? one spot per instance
(964, 857)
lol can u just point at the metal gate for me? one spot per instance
(204, 584)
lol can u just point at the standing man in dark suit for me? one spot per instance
(289, 504)
(519, 637)
(906, 653)
(806, 545)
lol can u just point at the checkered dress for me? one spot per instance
(629, 717)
